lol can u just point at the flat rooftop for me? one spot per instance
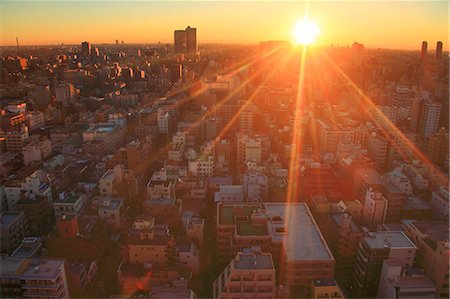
(253, 261)
(8, 218)
(302, 238)
(227, 212)
(111, 204)
(378, 240)
(437, 231)
(337, 218)
(37, 268)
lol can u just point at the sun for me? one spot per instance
(305, 32)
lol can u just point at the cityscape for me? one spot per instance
(192, 165)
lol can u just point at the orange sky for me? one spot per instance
(399, 24)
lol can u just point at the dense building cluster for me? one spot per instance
(179, 171)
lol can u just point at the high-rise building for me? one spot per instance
(191, 40)
(343, 237)
(375, 209)
(180, 41)
(85, 49)
(64, 93)
(438, 147)
(377, 149)
(423, 52)
(373, 250)
(438, 53)
(430, 118)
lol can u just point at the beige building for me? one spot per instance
(397, 281)
(432, 239)
(251, 274)
(112, 211)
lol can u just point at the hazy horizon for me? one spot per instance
(391, 25)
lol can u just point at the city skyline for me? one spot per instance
(149, 22)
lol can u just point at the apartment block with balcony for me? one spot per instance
(373, 250)
(251, 274)
(33, 278)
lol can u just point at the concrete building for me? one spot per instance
(432, 240)
(165, 210)
(430, 118)
(373, 250)
(440, 202)
(252, 148)
(438, 146)
(31, 187)
(326, 288)
(191, 40)
(163, 121)
(134, 156)
(35, 120)
(179, 42)
(69, 204)
(103, 137)
(13, 229)
(300, 255)
(195, 230)
(375, 209)
(251, 274)
(188, 257)
(33, 278)
(377, 149)
(64, 92)
(229, 194)
(343, 237)
(15, 140)
(256, 187)
(112, 212)
(38, 150)
(331, 134)
(118, 182)
(147, 243)
(246, 118)
(203, 165)
(398, 281)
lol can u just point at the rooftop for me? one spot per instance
(391, 239)
(9, 217)
(302, 237)
(253, 260)
(337, 218)
(37, 268)
(435, 230)
(111, 204)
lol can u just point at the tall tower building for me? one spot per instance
(423, 53)
(438, 147)
(179, 41)
(438, 54)
(191, 40)
(430, 118)
(85, 49)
